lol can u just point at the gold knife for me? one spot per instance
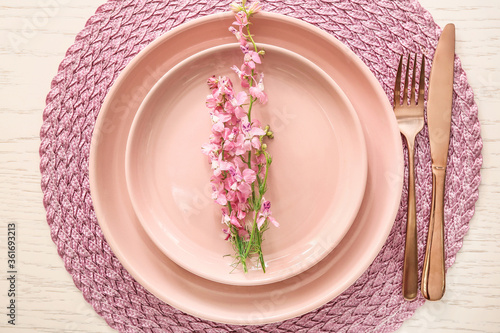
(439, 105)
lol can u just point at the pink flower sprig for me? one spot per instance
(236, 148)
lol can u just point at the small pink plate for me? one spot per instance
(316, 181)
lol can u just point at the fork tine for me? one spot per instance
(421, 83)
(397, 86)
(413, 79)
(405, 95)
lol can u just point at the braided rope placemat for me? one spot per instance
(374, 29)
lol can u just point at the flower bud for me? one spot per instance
(235, 7)
(212, 82)
(254, 8)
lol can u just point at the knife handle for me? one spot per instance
(433, 275)
(410, 264)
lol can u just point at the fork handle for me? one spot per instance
(410, 264)
(433, 274)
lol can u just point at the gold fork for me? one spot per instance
(411, 121)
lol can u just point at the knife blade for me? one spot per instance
(439, 106)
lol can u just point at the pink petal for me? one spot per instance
(224, 117)
(241, 18)
(244, 83)
(231, 196)
(249, 176)
(218, 127)
(273, 221)
(221, 199)
(262, 98)
(224, 166)
(257, 131)
(254, 91)
(237, 70)
(256, 142)
(240, 145)
(211, 102)
(239, 163)
(240, 112)
(241, 214)
(260, 221)
(208, 148)
(245, 189)
(246, 145)
(241, 97)
(229, 147)
(226, 133)
(255, 57)
(239, 151)
(240, 139)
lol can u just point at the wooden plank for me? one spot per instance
(48, 300)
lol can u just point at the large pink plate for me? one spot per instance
(222, 302)
(316, 182)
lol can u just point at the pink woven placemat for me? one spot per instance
(375, 30)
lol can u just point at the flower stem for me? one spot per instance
(268, 163)
(251, 38)
(252, 100)
(254, 227)
(240, 246)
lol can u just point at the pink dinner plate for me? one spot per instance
(316, 181)
(246, 304)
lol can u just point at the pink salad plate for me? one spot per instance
(246, 304)
(316, 181)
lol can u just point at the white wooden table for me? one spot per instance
(47, 299)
